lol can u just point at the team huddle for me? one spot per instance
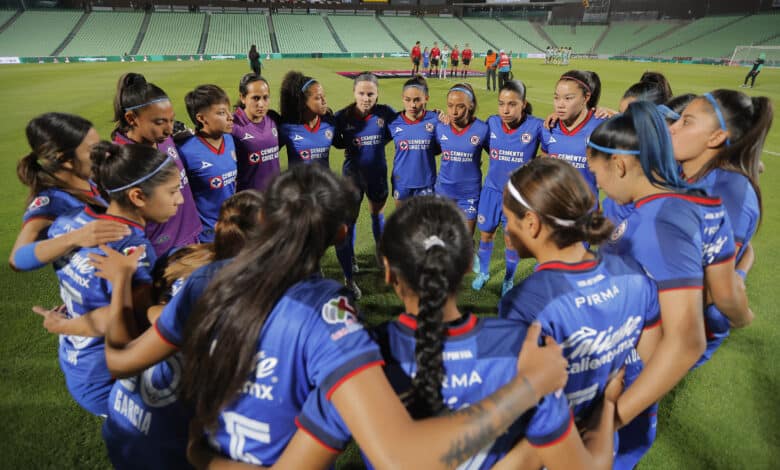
(197, 321)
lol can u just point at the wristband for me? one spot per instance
(25, 259)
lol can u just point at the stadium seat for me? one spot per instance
(624, 35)
(580, 38)
(363, 34)
(37, 33)
(499, 35)
(303, 33)
(683, 36)
(222, 38)
(173, 33)
(410, 29)
(751, 30)
(105, 33)
(455, 32)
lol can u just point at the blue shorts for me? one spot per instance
(372, 184)
(489, 212)
(634, 440)
(468, 204)
(401, 194)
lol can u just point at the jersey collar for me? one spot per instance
(510, 131)
(460, 327)
(93, 212)
(409, 121)
(218, 151)
(580, 266)
(579, 126)
(316, 126)
(462, 131)
(701, 200)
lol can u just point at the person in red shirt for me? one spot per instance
(466, 56)
(454, 60)
(415, 55)
(435, 56)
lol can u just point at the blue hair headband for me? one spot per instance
(307, 84)
(718, 113)
(139, 106)
(610, 151)
(464, 90)
(141, 179)
(668, 112)
(417, 85)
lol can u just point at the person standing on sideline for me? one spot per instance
(254, 60)
(466, 56)
(435, 56)
(757, 65)
(415, 55)
(490, 68)
(504, 66)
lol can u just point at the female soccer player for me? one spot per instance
(576, 97)
(426, 56)
(57, 171)
(141, 184)
(754, 71)
(307, 123)
(254, 60)
(415, 56)
(144, 114)
(576, 295)
(255, 134)
(466, 55)
(294, 334)
(147, 426)
(513, 141)
(718, 142)
(445, 59)
(413, 131)
(462, 142)
(454, 60)
(435, 56)
(632, 158)
(362, 131)
(209, 156)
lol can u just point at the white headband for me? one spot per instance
(519, 198)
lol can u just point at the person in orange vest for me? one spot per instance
(504, 67)
(490, 68)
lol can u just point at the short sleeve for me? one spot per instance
(321, 421)
(675, 262)
(545, 139)
(721, 247)
(551, 422)
(653, 315)
(519, 305)
(338, 346)
(173, 319)
(42, 207)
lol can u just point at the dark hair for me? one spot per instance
(201, 98)
(417, 81)
(659, 79)
(115, 166)
(473, 96)
(427, 245)
(237, 222)
(243, 86)
(53, 138)
(518, 87)
(293, 94)
(680, 102)
(555, 190)
(366, 77)
(588, 82)
(253, 48)
(133, 90)
(642, 127)
(303, 211)
(748, 120)
(646, 91)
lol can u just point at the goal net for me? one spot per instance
(746, 55)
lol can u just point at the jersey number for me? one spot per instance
(240, 428)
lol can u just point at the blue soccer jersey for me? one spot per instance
(741, 204)
(510, 148)
(414, 164)
(212, 176)
(596, 310)
(460, 172)
(308, 144)
(83, 359)
(54, 202)
(312, 339)
(615, 212)
(480, 356)
(570, 146)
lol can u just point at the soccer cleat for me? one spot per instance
(355, 267)
(475, 265)
(353, 287)
(507, 286)
(480, 281)
(744, 85)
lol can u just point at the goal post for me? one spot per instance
(745, 55)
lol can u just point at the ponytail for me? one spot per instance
(292, 96)
(133, 93)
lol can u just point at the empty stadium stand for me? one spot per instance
(231, 33)
(363, 34)
(105, 33)
(37, 33)
(410, 29)
(684, 35)
(499, 36)
(580, 38)
(172, 34)
(303, 33)
(623, 36)
(453, 31)
(748, 30)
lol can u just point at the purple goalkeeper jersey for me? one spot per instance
(257, 151)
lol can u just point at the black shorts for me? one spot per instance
(454, 63)
(416, 60)
(434, 62)
(466, 61)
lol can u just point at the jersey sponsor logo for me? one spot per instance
(329, 134)
(445, 155)
(474, 140)
(493, 135)
(582, 396)
(494, 154)
(588, 349)
(247, 136)
(380, 122)
(403, 145)
(597, 298)
(265, 367)
(619, 231)
(132, 249)
(338, 311)
(275, 132)
(443, 138)
(305, 154)
(297, 138)
(712, 250)
(525, 137)
(215, 182)
(466, 379)
(204, 165)
(429, 127)
(589, 282)
(173, 153)
(481, 219)
(457, 355)
(39, 202)
(552, 140)
(397, 130)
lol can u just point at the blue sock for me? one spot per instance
(345, 252)
(512, 258)
(484, 253)
(377, 225)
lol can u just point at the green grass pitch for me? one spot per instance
(725, 415)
